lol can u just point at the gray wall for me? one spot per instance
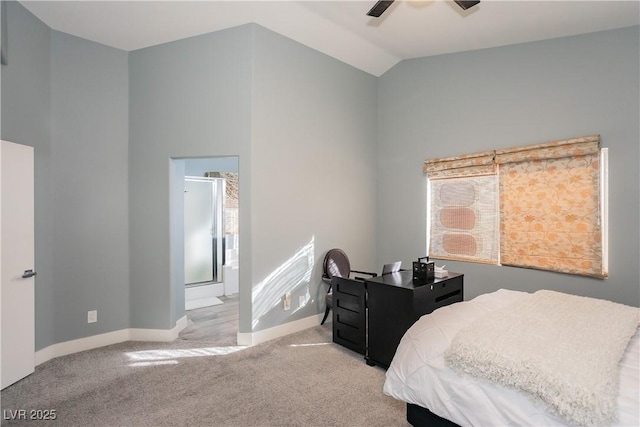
(313, 173)
(199, 166)
(26, 119)
(90, 125)
(111, 124)
(287, 112)
(68, 98)
(190, 98)
(515, 95)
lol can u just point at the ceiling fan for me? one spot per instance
(379, 8)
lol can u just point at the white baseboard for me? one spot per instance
(254, 338)
(162, 335)
(109, 338)
(166, 335)
(81, 344)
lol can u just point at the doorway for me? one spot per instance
(210, 238)
(206, 235)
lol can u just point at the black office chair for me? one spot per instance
(336, 263)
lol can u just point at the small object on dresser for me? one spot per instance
(440, 272)
(422, 271)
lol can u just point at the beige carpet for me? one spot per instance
(299, 380)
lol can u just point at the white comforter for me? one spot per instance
(419, 375)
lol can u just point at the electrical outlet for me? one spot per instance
(92, 316)
(287, 301)
(302, 301)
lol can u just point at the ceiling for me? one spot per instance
(341, 29)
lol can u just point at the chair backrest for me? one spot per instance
(336, 263)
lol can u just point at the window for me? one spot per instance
(463, 200)
(548, 202)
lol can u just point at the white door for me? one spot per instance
(17, 294)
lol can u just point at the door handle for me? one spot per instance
(28, 273)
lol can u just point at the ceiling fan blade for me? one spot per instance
(379, 8)
(467, 4)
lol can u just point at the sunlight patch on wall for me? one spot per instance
(293, 273)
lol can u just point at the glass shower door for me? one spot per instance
(203, 230)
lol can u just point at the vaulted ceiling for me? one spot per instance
(341, 29)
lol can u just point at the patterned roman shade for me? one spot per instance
(536, 206)
(465, 165)
(550, 212)
(463, 208)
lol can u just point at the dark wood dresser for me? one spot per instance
(370, 317)
(395, 303)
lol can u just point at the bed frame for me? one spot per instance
(422, 417)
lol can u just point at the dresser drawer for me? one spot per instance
(348, 333)
(348, 317)
(349, 287)
(347, 302)
(350, 337)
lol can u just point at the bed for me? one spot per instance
(480, 363)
